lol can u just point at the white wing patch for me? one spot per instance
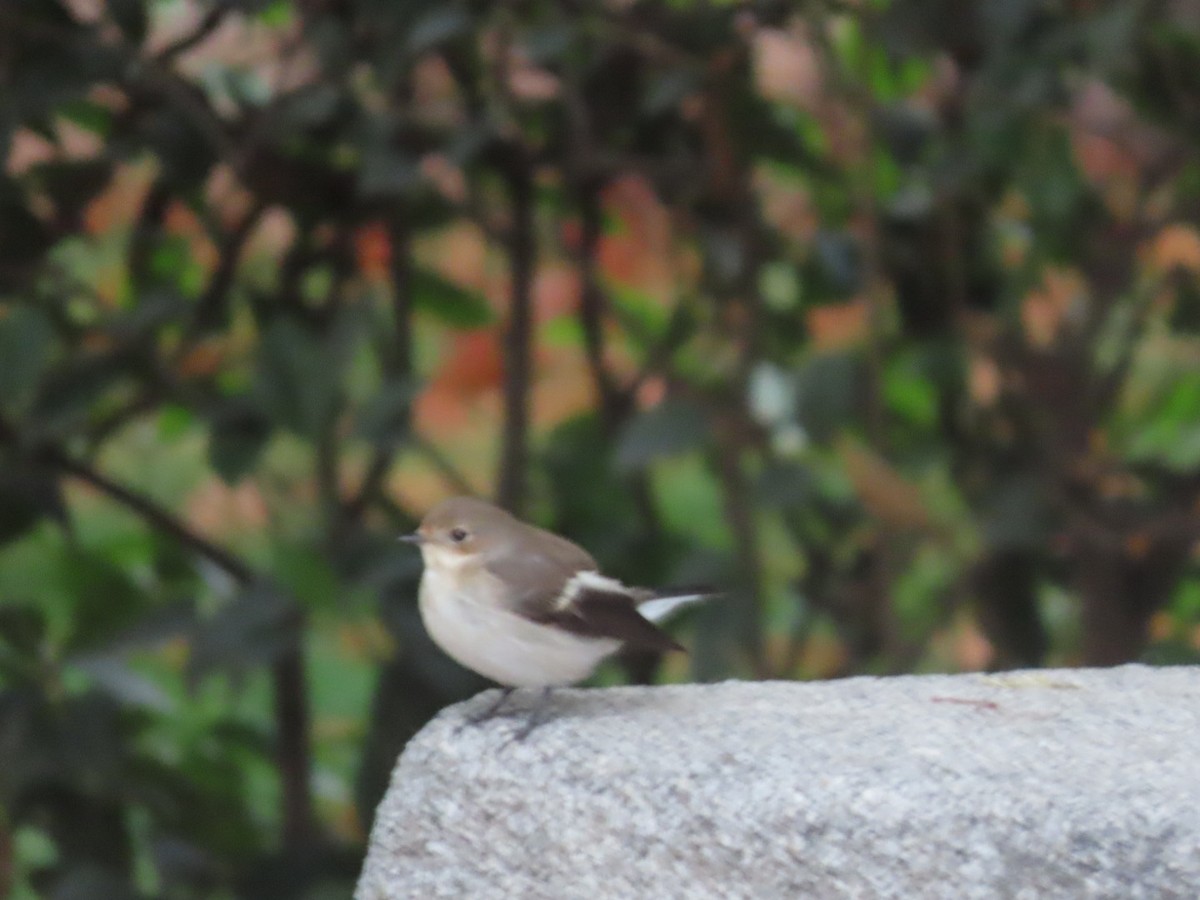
(587, 581)
(658, 608)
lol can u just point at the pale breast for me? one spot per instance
(499, 644)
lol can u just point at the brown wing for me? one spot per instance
(536, 566)
(610, 614)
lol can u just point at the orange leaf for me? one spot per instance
(203, 359)
(984, 380)
(373, 250)
(834, 326)
(786, 68)
(474, 364)
(1176, 246)
(555, 291)
(1047, 307)
(881, 489)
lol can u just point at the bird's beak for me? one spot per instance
(414, 538)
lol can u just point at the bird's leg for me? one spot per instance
(537, 715)
(492, 710)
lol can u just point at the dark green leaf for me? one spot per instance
(153, 627)
(1015, 514)
(452, 304)
(595, 507)
(668, 90)
(839, 260)
(828, 394)
(26, 340)
(89, 880)
(239, 433)
(250, 631)
(23, 237)
(68, 392)
(316, 105)
(22, 631)
(785, 485)
(385, 418)
(73, 184)
(93, 117)
(674, 426)
(22, 627)
(436, 27)
(468, 142)
(153, 309)
(549, 44)
(130, 16)
(107, 600)
(298, 378)
(387, 172)
(725, 253)
(113, 677)
(27, 495)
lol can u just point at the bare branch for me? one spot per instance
(518, 340)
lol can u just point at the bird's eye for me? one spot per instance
(458, 535)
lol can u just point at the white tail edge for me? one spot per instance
(657, 609)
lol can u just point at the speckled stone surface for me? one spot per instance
(1047, 784)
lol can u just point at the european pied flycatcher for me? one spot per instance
(525, 607)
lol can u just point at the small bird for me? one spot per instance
(525, 607)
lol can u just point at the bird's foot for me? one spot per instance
(537, 716)
(490, 712)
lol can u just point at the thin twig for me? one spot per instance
(591, 312)
(456, 480)
(207, 26)
(518, 340)
(397, 360)
(213, 303)
(161, 519)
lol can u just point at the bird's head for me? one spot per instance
(461, 531)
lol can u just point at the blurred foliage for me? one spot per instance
(883, 315)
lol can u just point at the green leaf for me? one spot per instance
(309, 576)
(26, 339)
(298, 379)
(130, 16)
(549, 44)
(779, 284)
(919, 591)
(250, 631)
(910, 393)
(1015, 514)
(107, 600)
(27, 495)
(384, 419)
(454, 305)
(1168, 430)
(22, 633)
(784, 485)
(240, 431)
(828, 394)
(436, 27)
(72, 184)
(668, 90)
(386, 172)
(174, 421)
(114, 677)
(88, 115)
(674, 426)
(23, 237)
(68, 393)
(314, 106)
(839, 261)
